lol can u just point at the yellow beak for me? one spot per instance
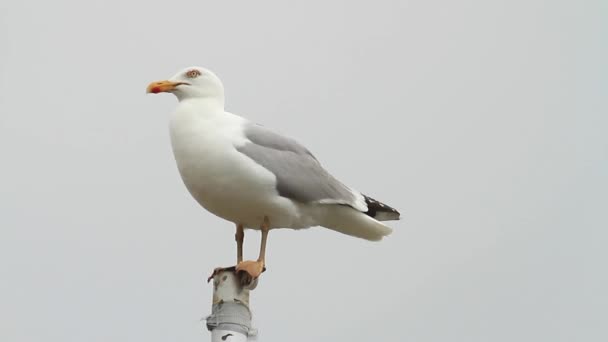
(162, 86)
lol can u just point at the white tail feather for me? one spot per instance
(351, 222)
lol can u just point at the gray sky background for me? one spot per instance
(484, 122)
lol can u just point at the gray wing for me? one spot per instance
(300, 176)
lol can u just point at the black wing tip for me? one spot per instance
(377, 209)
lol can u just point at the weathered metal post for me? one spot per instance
(230, 319)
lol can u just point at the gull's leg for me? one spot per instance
(265, 229)
(250, 270)
(239, 237)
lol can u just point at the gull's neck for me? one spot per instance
(199, 108)
(210, 103)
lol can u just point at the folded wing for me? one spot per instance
(300, 176)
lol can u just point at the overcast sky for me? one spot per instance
(484, 122)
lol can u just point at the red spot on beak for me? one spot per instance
(155, 90)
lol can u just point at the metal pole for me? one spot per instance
(230, 319)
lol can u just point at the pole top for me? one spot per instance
(227, 288)
(230, 307)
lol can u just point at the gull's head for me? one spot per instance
(191, 83)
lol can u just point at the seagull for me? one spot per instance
(254, 177)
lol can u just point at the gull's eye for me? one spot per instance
(193, 73)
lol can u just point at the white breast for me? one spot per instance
(220, 178)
